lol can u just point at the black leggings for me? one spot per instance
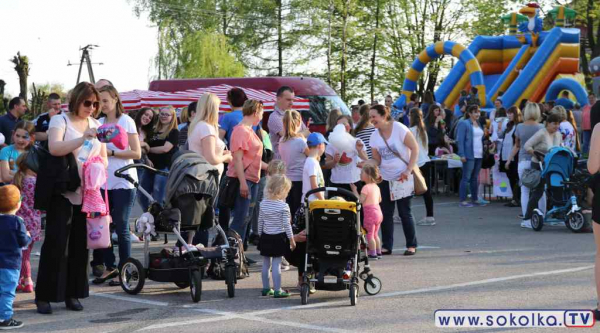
(426, 171)
(513, 178)
(294, 198)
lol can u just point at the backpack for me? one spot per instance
(217, 268)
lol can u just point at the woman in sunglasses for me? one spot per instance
(62, 274)
(163, 145)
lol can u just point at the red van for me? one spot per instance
(322, 98)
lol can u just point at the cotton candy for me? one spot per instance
(342, 140)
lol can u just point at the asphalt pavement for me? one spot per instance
(474, 258)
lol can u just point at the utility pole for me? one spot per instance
(85, 57)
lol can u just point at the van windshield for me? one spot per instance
(320, 107)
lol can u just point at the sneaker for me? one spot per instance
(483, 202)
(429, 220)
(285, 265)
(526, 224)
(465, 204)
(134, 238)
(312, 288)
(373, 257)
(520, 216)
(379, 256)
(10, 324)
(281, 294)
(250, 261)
(267, 292)
(479, 204)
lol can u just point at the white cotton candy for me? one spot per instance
(341, 140)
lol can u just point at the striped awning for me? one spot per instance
(137, 99)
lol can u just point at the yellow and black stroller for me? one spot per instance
(335, 246)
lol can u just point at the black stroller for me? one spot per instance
(335, 246)
(190, 194)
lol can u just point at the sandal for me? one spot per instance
(111, 275)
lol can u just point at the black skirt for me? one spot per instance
(274, 245)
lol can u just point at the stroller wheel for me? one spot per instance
(353, 294)
(230, 280)
(537, 221)
(372, 285)
(304, 291)
(132, 276)
(577, 222)
(195, 285)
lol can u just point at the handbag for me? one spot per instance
(98, 227)
(531, 178)
(229, 191)
(35, 154)
(419, 180)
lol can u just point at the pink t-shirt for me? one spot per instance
(244, 138)
(372, 194)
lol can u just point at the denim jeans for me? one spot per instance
(387, 225)
(9, 278)
(240, 210)
(121, 203)
(155, 185)
(587, 137)
(470, 178)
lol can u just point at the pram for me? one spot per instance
(565, 188)
(334, 246)
(191, 189)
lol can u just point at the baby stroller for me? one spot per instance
(190, 193)
(334, 246)
(565, 191)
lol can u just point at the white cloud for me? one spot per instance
(51, 33)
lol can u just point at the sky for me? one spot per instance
(51, 33)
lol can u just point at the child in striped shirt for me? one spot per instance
(275, 231)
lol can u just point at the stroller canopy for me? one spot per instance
(192, 187)
(558, 161)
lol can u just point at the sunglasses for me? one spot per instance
(87, 104)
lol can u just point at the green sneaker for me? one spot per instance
(281, 294)
(267, 292)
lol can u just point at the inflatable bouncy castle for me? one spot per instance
(527, 64)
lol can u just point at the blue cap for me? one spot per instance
(315, 139)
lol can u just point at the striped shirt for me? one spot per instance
(274, 218)
(365, 136)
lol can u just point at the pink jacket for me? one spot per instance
(94, 177)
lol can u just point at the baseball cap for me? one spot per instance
(315, 139)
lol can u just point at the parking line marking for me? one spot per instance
(129, 299)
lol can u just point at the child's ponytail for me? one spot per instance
(22, 170)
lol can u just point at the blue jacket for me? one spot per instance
(464, 139)
(13, 237)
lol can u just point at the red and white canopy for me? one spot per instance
(137, 99)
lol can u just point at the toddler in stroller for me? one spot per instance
(190, 193)
(335, 246)
(565, 188)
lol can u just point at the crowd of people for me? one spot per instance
(274, 170)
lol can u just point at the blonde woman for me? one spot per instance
(163, 145)
(204, 132)
(293, 151)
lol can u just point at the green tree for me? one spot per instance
(207, 55)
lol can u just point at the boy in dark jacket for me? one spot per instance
(13, 237)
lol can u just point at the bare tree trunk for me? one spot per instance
(280, 37)
(344, 42)
(329, 43)
(22, 68)
(374, 56)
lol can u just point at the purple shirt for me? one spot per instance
(275, 125)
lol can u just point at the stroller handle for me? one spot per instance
(119, 172)
(342, 191)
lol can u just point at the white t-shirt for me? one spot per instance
(201, 131)
(115, 163)
(423, 149)
(477, 142)
(391, 166)
(70, 133)
(346, 171)
(311, 168)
